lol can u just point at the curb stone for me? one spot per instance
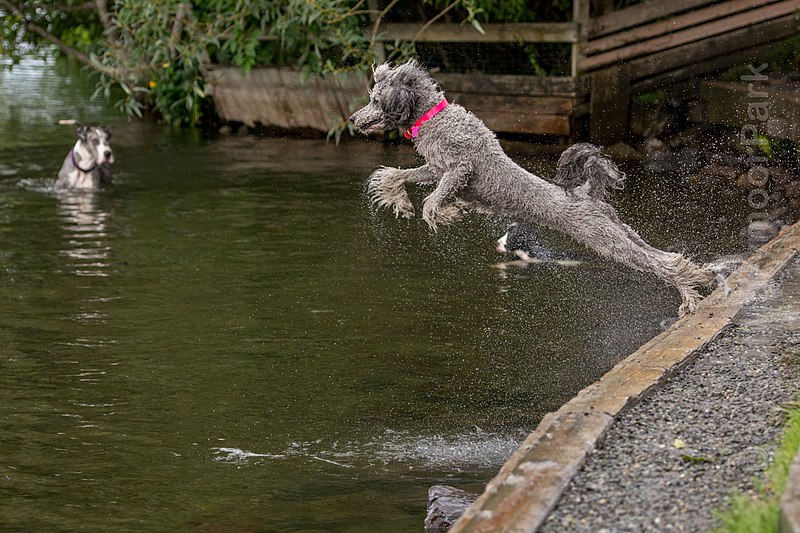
(531, 482)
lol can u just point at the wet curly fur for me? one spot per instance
(472, 173)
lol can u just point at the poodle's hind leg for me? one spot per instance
(685, 275)
(690, 298)
(386, 187)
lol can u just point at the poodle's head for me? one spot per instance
(399, 97)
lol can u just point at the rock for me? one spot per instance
(653, 148)
(650, 119)
(695, 111)
(761, 231)
(793, 189)
(446, 504)
(683, 162)
(782, 177)
(623, 152)
(716, 174)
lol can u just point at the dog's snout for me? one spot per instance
(107, 153)
(353, 118)
(501, 244)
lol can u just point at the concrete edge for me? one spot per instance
(529, 485)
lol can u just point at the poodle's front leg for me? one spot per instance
(441, 206)
(386, 187)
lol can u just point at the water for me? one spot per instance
(227, 339)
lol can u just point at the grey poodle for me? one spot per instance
(472, 173)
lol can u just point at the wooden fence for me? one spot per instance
(613, 56)
(658, 43)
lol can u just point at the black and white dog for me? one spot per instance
(88, 164)
(523, 242)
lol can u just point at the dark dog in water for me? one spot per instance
(88, 164)
(522, 241)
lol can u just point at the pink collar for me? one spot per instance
(413, 131)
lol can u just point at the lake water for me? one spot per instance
(228, 339)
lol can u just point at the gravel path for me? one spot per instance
(674, 458)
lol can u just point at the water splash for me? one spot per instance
(469, 450)
(238, 456)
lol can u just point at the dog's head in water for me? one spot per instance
(95, 143)
(522, 241)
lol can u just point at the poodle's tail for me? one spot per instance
(586, 165)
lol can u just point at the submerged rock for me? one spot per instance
(761, 231)
(446, 504)
(623, 152)
(682, 162)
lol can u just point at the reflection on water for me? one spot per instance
(84, 226)
(227, 339)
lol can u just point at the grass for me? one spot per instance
(761, 513)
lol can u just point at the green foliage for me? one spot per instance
(162, 46)
(156, 50)
(77, 28)
(761, 513)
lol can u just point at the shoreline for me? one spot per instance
(531, 483)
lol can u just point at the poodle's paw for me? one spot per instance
(690, 299)
(435, 214)
(386, 188)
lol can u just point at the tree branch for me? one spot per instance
(377, 24)
(434, 19)
(64, 47)
(105, 19)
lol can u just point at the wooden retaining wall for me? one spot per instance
(278, 97)
(615, 55)
(281, 98)
(653, 44)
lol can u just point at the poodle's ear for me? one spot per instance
(381, 72)
(107, 131)
(402, 101)
(81, 132)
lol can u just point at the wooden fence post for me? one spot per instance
(580, 16)
(608, 106)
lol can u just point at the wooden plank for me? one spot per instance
(531, 32)
(790, 500)
(640, 14)
(671, 25)
(537, 105)
(279, 97)
(581, 12)
(713, 47)
(527, 123)
(609, 104)
(510, 84)
(742, 20)
(701, 67)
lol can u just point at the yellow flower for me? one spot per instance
(165, 65)
(153, 84)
